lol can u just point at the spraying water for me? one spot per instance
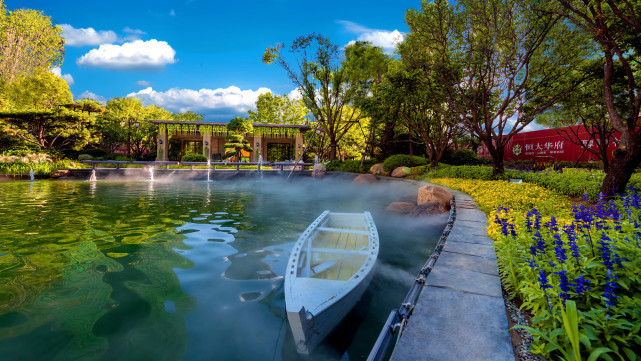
(315, 159)
(92, 177)
(31, 176)
(208, 170)
(260, 166)
(150, 169)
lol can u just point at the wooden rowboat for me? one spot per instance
(328, 270)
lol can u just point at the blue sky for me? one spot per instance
(199, 55)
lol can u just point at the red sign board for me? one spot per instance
(551, 144)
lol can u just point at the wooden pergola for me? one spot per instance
(212, 136)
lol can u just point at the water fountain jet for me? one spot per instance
(31, 176)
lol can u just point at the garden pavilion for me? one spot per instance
(210, 137)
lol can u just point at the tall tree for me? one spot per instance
(278, 109)
(424, 117)
(615, 25)
(582, 113)
(123, 124)
(500, 63)
(29, 43)
(325, 85)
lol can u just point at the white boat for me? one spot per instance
(328, 270)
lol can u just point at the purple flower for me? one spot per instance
(559, 250)
(543, 280)
(564, 285)
(528, 221)
(580, 285)
(609, 291)
(540, 242)
(606, 251)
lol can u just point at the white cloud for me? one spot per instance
(218, 104)
(143, 83)
(388, 40)
(172, 12)
(58, 72)
(150, 55)
(89, 95)
(86, 36)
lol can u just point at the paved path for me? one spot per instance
(460, 314)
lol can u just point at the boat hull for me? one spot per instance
(308, 333)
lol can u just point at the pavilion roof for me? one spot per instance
(302, 128)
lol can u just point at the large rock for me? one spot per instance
(400, 207)
(59, 173)
(377, 169)
(365, 179)
(431, 193)
(401, 172)
(428, 208)
(319, 170)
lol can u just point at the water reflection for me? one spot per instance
(180, 271)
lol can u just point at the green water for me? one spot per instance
(182, 270)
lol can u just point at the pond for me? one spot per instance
(184, 270)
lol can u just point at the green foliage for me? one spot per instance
(240, 125)
(85, 157)
(29, 43)
(326, 81)
(42, 91)
(546, 259)
(43, 114)
(353, 166)
(571, 182)
(188, 116)
(462, 157)
(122, 125)
(403, 160)
(192, 157)
(38, 168)
(278, 109)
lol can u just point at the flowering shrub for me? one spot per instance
(588, 266)
(521, 196)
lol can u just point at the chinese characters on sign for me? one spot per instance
(544, 148)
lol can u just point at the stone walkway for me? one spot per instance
(460, 314)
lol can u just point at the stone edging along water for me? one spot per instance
(460, 313)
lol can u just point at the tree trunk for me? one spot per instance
(497, 157)
(332, 149)
(624, 161)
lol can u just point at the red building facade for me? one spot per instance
(548, 144)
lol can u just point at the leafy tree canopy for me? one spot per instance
(240, 125)
(278, 109)
(29, 43)
(188, 116)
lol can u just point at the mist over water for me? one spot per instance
(184, 270)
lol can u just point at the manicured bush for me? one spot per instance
(85, 157)
(353, 166)
(193, 157)
(403, 160)
(462, 157)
